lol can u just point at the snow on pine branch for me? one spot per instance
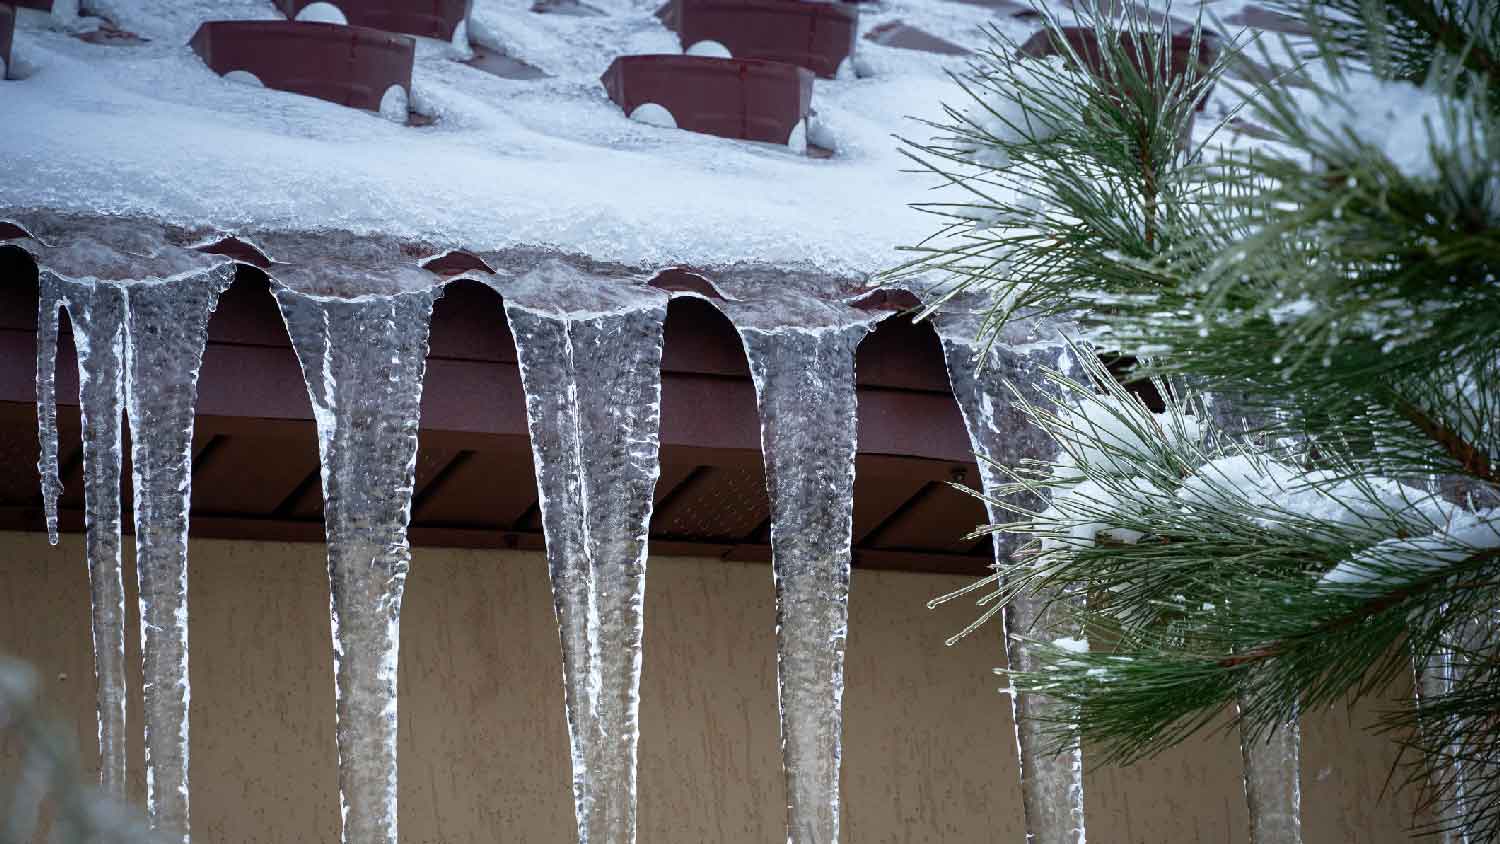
(1036, 101)
(1393, 562)
(1127, 476)
(1425, 132)
(1166, 521)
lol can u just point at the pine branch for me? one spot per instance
(49, 769)
(1473, 51)
(1473, 459)
(1341, 286)
(1372, 607)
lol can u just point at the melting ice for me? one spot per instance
(140, 345)
(363, 361)
(590, 361)
(97, 313)
(1051, 783)
(804, 384)
(167, 330)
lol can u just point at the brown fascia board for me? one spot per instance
(428, 18)
(251, 373)
(816, 35)
(349, 65)
(304, 530)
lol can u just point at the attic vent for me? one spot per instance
(1084, 42)
(819, 36)
(732, 98)
(349, 65)
(429, 18)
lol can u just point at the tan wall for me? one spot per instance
(929, 754)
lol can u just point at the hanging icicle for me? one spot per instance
(139, 306)
(1273, 761)
(804, 385)
(364, 360)
(1273, 792)
(166, 332)
(1454, 771)
(1051, 783)
(97, 314)
(50, 302)
(590, 360)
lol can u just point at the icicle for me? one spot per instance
(593, 391)
(138, 305)
(1051, 783)
(363, 361)
(1432, 681)
(1454, 770)
(804, 383)
(166, 331)
(1273, 762)
(97, 314)
(50, 302)
(1273, 792)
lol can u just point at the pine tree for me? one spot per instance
(1310, 286)
(49, 771)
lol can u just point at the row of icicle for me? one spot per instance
(592, 382)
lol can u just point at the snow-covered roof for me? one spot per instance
(148, 130)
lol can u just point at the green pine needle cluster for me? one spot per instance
(1315, 512)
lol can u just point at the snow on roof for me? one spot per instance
(147, 130)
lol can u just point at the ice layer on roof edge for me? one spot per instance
(346, 265)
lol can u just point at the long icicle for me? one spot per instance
(1273, 791)
(1051, 783)
(1272, 761)
(166, 332)
(50, 302)
(97, 314)
(593, 392)
(804, 383)
(364, 360)
(1431, 680)
(1454, 769)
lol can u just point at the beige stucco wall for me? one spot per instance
(928, 746)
